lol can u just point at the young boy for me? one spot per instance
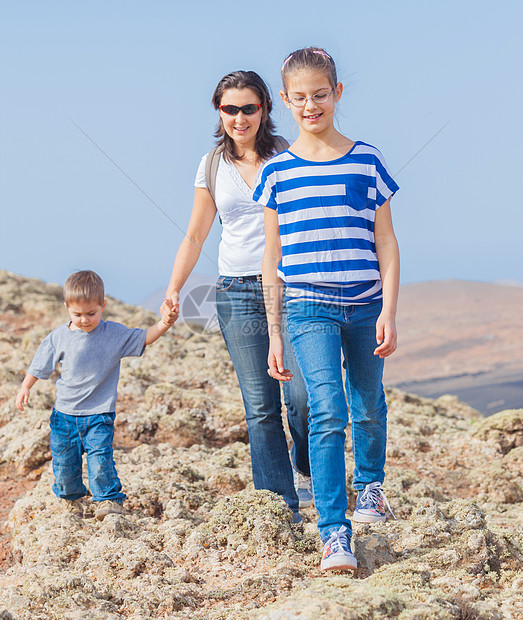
(89, 351)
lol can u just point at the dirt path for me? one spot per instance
(13, 486)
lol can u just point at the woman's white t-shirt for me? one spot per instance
(243, 239)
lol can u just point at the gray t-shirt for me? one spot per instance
(90, 365)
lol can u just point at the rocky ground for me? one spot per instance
(196, 541)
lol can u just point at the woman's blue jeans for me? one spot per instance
(243, 322)
(71, 436)
(319, 332)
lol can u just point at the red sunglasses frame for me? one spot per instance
(240, 108)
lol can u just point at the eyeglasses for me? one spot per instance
(233, 110)
(300, 102)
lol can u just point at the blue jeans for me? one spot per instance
(319, 332)
(243, 322)
(71, 436)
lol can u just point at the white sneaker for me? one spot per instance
(336, 552)
(370, 504)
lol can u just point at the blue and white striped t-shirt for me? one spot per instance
(326, 214)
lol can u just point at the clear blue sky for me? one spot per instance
(137, 77)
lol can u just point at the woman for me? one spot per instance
(246, 139)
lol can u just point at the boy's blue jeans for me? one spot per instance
(71, 436)
(319, 332)
(243, 322)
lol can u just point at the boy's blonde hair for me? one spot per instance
(84, 286)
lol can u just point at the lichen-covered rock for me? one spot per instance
(335, 599)
(372, 551)
(24, 440)
(504, 430)
(250, 523)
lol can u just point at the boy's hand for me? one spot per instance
(170, 310)
(22, 398)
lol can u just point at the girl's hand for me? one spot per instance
(22, 398)
(276, 368)
(386, 336)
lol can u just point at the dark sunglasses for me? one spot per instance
(233, 110)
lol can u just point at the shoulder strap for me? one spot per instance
(211, 169)
(213, 160)
(280, 144)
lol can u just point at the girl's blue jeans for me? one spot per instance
(243, 322)
(319, 333)
(71, 436)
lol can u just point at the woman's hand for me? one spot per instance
(170, 309)
(386, 336)
(276, 368)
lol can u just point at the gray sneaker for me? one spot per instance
(303, 486)
(106, 507)
(74, 507)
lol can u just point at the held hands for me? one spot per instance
(276, 368)
(22, 398)
(386, 336)
(170, 309)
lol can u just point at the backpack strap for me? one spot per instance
(280, 144)
(213, 160)
(211, 169)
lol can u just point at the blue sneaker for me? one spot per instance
(296, 517)
(370, 504)
(303, 486)
(336, 552)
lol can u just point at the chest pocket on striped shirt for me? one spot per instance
(356, 194)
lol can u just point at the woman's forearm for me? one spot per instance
(202, 218)
(185, 261)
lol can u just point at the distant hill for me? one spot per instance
(462, 338)
(455, 337)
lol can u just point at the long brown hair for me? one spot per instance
(265, 143)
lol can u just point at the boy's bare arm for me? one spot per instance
(158, 329)
(23, 395)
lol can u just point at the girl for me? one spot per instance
(245, 139)
(329, 237)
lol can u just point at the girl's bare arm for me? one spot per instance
(273, 295)
(389, 263)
